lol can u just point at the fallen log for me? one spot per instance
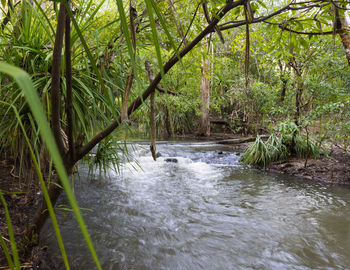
(242, 140)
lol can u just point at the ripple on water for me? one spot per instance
(207, 212)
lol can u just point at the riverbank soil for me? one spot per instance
(22, 199)
(334, 169)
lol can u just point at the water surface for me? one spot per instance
(206, 211)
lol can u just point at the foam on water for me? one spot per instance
(205, 211)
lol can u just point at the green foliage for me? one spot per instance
(14, 261)
(257, 153)
(288, 142)
(24, 82)
(102, 57)
(107, 156)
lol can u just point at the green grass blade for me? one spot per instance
(23, 80)
(6, 251)
(43, 187)
(155, 35)
(48, 22)
(165, 28)
(126, 31)
(92, 16)
(87, 51)
(12, 236)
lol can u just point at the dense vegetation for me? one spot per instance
(253, 66)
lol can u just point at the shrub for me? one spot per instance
(288, 142)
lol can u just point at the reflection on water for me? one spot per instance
(206, 211)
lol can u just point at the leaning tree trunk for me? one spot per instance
(81, 150)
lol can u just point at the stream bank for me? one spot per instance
(331, 169)
(22, 197)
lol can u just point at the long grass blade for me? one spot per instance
(43, 187)
(87, 51)
(155, 35)
(23, 80)
(126, 31)
(6, 251)
(12, 236)
(165, 28)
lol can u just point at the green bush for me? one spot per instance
(288, 142)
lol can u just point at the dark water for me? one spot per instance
(206, 212)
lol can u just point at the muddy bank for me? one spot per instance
(21, 198)
(334, 169)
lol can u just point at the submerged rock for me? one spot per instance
(173, 160)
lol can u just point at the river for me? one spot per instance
(204, 210)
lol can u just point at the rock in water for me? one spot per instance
(173, 160)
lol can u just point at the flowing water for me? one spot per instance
(204, 210)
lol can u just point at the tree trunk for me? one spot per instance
(298, 102)
(204, 124)
(167, 122)
(152, 113)
(345, 35)
(124, 113)
(153, 127)
(54, 190)
(284, 89)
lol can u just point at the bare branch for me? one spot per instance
(257, 20)
(206, 15)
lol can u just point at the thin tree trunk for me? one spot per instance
(345, 36)
(54, 190)
(152, 113)
(298, 102)
(167, 122)
(204, 124)
(284, 89)
(153, 127)
(342, 26)
(124, 114)
(56, 80)
(284, 80)
(69, 101)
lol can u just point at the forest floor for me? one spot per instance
(22, 198)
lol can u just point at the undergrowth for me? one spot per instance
(285, 141)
